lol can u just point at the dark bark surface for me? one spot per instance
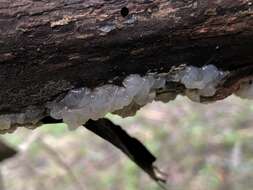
(50, 46)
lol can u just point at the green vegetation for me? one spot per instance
(200, 147)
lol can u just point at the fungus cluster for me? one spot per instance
(80, 105)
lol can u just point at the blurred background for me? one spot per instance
(200, 147)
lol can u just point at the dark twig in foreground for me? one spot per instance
(130, 146)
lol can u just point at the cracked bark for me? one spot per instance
(48, 47)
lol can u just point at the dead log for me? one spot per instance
(49, 47)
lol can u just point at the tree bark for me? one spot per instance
(50, 46)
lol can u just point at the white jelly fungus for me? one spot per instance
(80, 105)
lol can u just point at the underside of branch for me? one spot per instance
(50, 47)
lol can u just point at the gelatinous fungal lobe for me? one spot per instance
(80, 105)
(204, 79)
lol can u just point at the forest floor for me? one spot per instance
(199, 146)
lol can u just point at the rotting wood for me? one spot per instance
(48, 47)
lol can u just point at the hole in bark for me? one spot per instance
(124, 11)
